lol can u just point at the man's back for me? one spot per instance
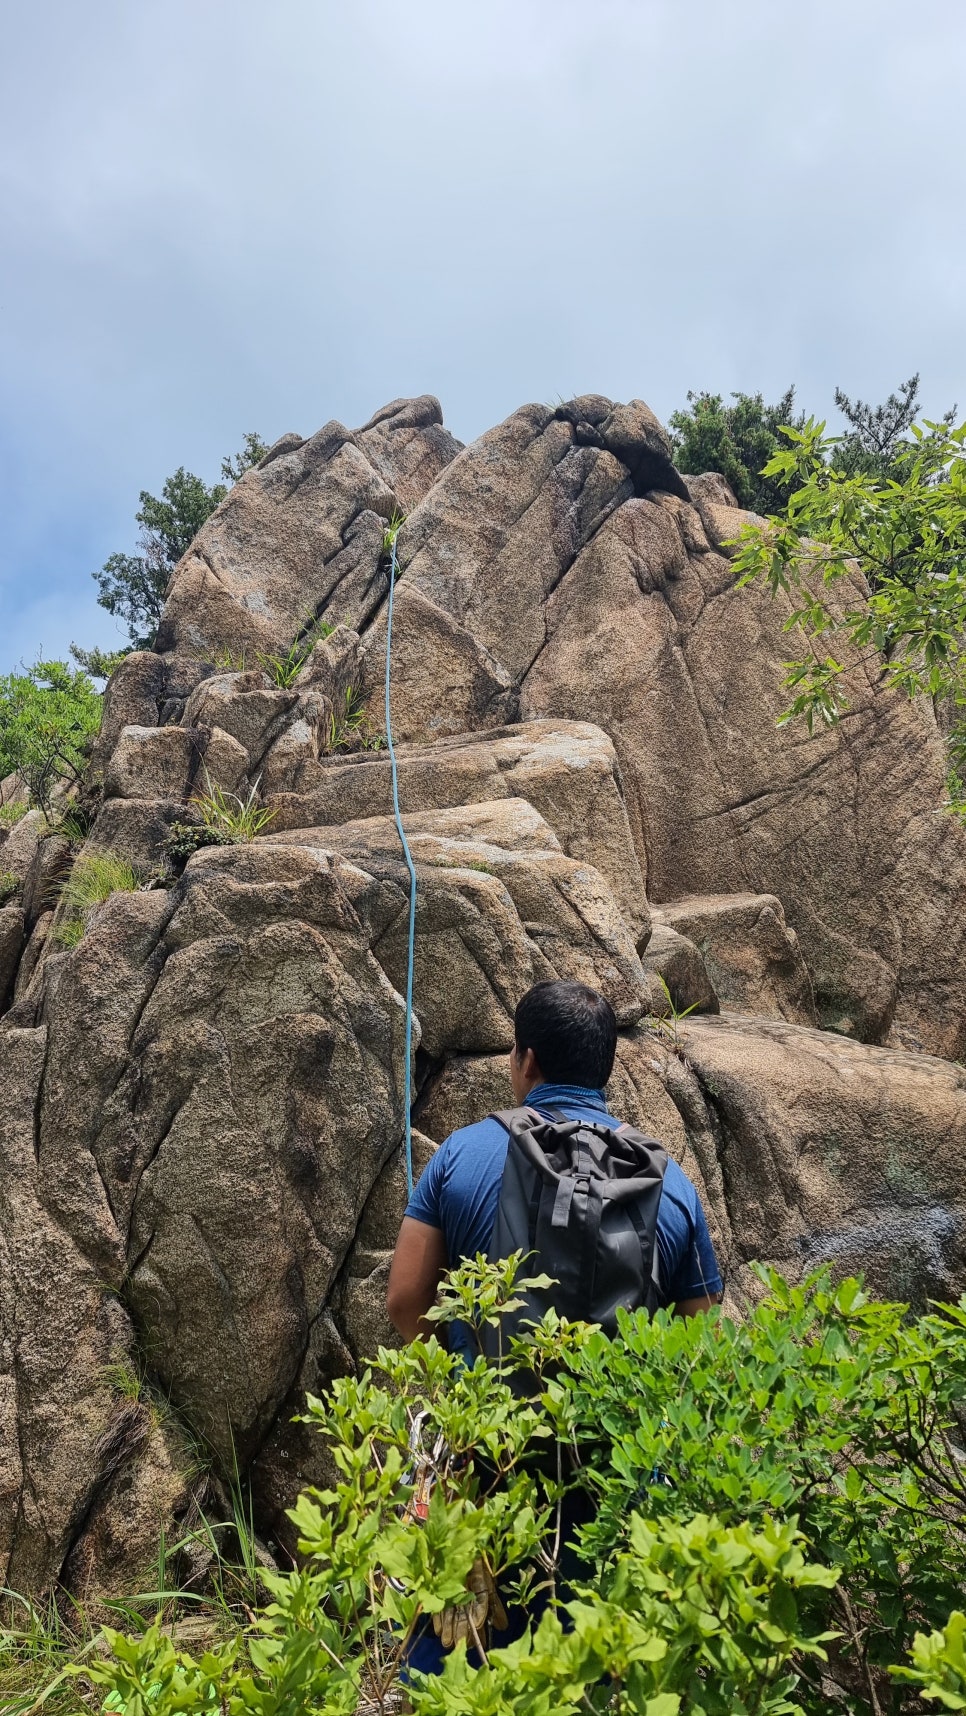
(459, 1191)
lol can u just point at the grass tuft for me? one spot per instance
(283, 670)
(227, 814)
(396, 521)
(93, 879)
(349, 727)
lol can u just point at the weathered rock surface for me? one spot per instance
(566, 769)
(597, 600)
(173, 762)
(681, 968)
(751, 957)
(304, 532)
(18, 845)
(11, 945)
(201, 1104)
(833, 1150)
(195, 1110)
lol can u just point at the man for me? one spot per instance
(565, 1039)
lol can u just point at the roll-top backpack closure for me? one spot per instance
(580, 1199)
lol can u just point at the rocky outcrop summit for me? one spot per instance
(201, 1102)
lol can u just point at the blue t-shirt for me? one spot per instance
(459, 1190)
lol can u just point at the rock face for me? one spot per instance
(752, 958)
(201, 1116)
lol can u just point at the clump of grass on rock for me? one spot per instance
(93, 879)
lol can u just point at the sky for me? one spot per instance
(223, 215)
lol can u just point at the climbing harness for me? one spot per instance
(412, 883)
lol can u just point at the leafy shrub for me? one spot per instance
(907, 534)
(11, 814)
(93, 879)
(186, 838)
(760, 1495)
(939, 1664)
(49, 715)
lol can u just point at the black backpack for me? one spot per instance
(580, 1200)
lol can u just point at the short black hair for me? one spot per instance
(571, 1030)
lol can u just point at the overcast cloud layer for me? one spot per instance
(218, 215)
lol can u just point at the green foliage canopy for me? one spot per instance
(906, 535)
(738, 440)
(132, 586)
(778, 1501)
(49, 715)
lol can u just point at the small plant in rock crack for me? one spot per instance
(227, 819)
(228, 813)
(666, 1025)
(93, 879)
(396, 521)
(186, 838)
(11, 814)
(9, 883)
(283, 670)
(227, 660)
(73, 824)
(349, 727)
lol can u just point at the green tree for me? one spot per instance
(49, 715)
(738, 440)
(132, 586)
(253, 451)
(879, 436)
(906, 533)
(99, 663)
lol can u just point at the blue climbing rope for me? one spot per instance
(412, 882)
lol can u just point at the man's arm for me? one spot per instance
(691, 1307)
(418, 1262)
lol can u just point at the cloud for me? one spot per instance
(220, 215)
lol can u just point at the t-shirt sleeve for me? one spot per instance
(697, 1271)
(425, 1205)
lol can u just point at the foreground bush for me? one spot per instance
(777, 1514)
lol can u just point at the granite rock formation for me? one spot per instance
(201, 1115)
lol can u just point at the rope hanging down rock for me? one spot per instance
(412, 881)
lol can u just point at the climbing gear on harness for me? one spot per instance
(430, 1466)
(580, 1199)
(407, 1077)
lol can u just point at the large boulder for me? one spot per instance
(751, 956)
(303, 532)
(197, 1103)
(566, 769)
(202, 1102)
(832, 1151)
(598, 600)
(499, 907)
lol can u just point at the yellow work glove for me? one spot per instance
(483, 1609)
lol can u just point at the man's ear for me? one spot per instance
(530, 1067)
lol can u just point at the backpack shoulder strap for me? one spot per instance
(516, 1120)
